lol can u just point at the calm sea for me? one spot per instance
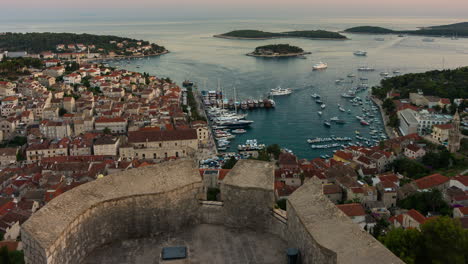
(197, 56)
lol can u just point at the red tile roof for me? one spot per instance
(431, 181)
(462, 179)
(353, 209)
(331, 189)
(143, 136)
(417, 216)
(444, 126)
(344, 155)
(463, 210)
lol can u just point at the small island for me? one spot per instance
(452, 30)
(257, 34)
(277, 50)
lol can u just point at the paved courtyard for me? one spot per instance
(205, 244)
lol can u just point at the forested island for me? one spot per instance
(278, 50)
(442, 83)
(452, 30)
(257, 34)
(36, 43)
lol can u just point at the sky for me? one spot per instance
(24, 9)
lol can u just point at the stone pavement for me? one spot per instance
(205, 244)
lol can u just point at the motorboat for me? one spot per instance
(341, 109)
(366, 68)
(319, 113)
(327, 124)
(320, 66)
(323, 106)
(315, 95)
(239, 131)
(280, 91)
(360, 53)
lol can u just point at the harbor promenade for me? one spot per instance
(388, 129)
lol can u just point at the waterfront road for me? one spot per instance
(391, 133)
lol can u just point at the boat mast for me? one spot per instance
(235, 99)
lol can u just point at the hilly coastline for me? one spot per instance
(458, 29)
(257, 34)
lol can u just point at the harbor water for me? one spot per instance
(197, 56)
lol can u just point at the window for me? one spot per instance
(177, 154)
(160, 145)
(154, 156)
(165, 154)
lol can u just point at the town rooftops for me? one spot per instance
(353, 209)
(413, 147)
(444, 126)
(430, 181)
(110, 120)
(151, 136)
(417, 216)
(331, 189)
(462, 179)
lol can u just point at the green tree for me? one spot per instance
(62, 111)
(380, 228)
(229, 164)
(406, 244)
(275, 150)
(106, 131)
(424, 202)
(445, 241)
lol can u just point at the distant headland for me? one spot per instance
(257, 34)
(277, 50)
(70, 45)
(457, 30)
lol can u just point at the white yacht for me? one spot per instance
(323, 106)
(366, 68)
(320, 66)
(280, 91)
(360, 53)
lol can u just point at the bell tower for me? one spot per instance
(454, 134)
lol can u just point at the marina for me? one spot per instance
(295, 117)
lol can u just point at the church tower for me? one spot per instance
(454, 134)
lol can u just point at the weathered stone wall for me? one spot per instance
(298, 236)
(120, 219)
(247, 207)
(165, 198)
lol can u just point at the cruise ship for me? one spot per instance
(360, 53)
(280, 91)
(320, 66)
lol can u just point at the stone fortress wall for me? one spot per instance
(163, 198)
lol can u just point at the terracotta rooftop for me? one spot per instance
(151, 136)
(431, 181)
(353, 209)
(416, 216)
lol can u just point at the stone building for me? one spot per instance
(8, 156)
(165, 202)
(160, 144)
(454, 134)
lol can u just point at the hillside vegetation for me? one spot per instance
(257, 34)
(443, 83)
(458, 29)
(39, 42)
(278, 48)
